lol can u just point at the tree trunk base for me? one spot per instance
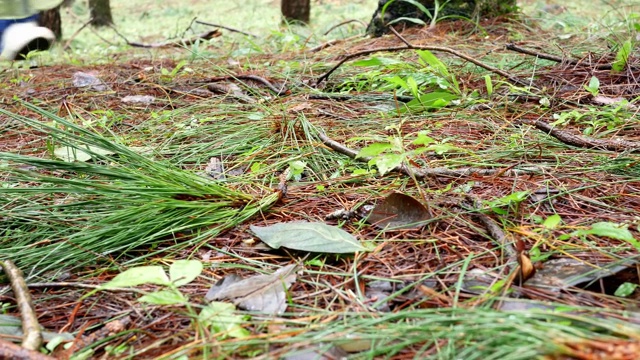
(296, 11)
(52, 21)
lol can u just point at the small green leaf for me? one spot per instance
(256, 166)
(431, 60)
(594, 86)
(373, 150)
(610, 230)
(308, 236)
(622, 56)
(625, 289)
(516, 197)
(164, 297)
(387, 162)
(423, 139)
(413, 86)
(222, 319)
(552, 221)
(443, 148)
(139, 276)
(489, 84)
(53, 343)
(433, 100)
(183, 272)
(397, 81)
(297, 168)
(377, 61)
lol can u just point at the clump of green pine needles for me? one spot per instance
(58, 214)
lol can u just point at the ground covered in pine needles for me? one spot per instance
(524, 170)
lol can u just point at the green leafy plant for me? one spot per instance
(433, 17)
(511, 202)
(428, 81)
(169, 75)
(595, 118)
(219, 316)
(548, 225)
(392, 153)
(181, 272)
(296, 169)
(606, 229)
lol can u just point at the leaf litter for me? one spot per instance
(426, 294)
(262, 293)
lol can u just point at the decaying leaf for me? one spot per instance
(526, 267)
(138, 99)
(88, 80)
(478, 281)
(215, 169)
(398, 211)
(308, 236)
(71, 154)
(558, 274)
(263, 293)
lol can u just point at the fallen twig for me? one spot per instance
(325, 45)
(32, 338)
(9, 350)
(559, 59)
(584, 141)
(424, 173)
(361, 98)
(176, 43)
(344, 23)
(225, 27)
(495, 232)
(67, 44)
(256, 78)
(468, 58)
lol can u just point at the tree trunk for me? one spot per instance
(51, 20)
(397, 11)
(296, 10)
(100, 13)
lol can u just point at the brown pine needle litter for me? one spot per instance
(534, 165)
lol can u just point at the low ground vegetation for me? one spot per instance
(463, 191)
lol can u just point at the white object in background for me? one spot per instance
(20, 38)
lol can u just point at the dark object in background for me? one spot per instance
(100, 13)
(296, 10)
(52, 21)
(465, 8)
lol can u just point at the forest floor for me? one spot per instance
(468, 191)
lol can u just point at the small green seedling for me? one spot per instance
(181, 272)
(594, 86)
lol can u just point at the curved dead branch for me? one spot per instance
(408, 46)
(558, 59)
(584, 141)
(425, 173)
(32, 338)
(9, 350)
